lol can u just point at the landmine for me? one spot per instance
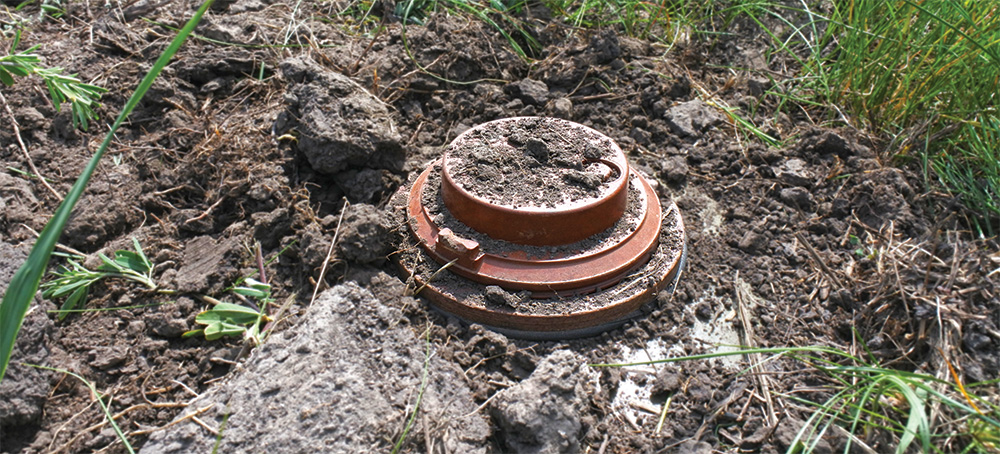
(538, 228)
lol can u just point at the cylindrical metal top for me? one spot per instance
(553, 181)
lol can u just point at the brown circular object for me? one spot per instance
(573, 274)
(524, 267)
(565, 223)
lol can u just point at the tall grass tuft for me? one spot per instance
(21, 291)
(925, 73)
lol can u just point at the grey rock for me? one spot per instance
(691, 118)
(340, 124)
(562, 108)
(543, 413)
(341, 381)
(529, 91)
(364, 235)
(795, 172)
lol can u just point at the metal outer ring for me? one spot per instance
(573, 275)
(575, 324)
(538, 226)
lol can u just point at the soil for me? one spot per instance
(531, 162)
(821, 241)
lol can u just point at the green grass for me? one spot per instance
(21, 290)
(661, 21)
(62, 88)
(864, 397)
(924, 75)
(420, 393)
(100, 401)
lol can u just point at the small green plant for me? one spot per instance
(921, 72)
(62, 88)
(73, 281)
(23, 286)
(227, 319)
(420, 392)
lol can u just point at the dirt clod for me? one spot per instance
(364, 235)
(543, 413)
(690, 119)
(529, 91)
(340, 124)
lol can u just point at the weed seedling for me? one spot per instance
(228, 319)
(21, 290)
(74, 280)
(62, 88)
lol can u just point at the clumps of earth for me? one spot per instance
(531, 162)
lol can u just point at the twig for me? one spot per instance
(174, 422)
(260, 263)
(24, 149)
(745, 299)
(819, 262)
(207, 427)
(207, 212)
(329, 254)
(61, 247)
(434, 275)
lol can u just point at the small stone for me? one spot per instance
(105, 358)
(752, 242)
(640, 121)
(562, 108)
(795, 172)
(587, 180)
(530, 91)
(691, 118)
(538, 149)
(674, 169)
(797, 197)
(500, 297)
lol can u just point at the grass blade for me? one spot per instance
(21, 291)
(100, 400)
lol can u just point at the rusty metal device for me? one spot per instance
(572, 269)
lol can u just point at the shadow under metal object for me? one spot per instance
(571, 241)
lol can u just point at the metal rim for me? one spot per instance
(568, 223)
